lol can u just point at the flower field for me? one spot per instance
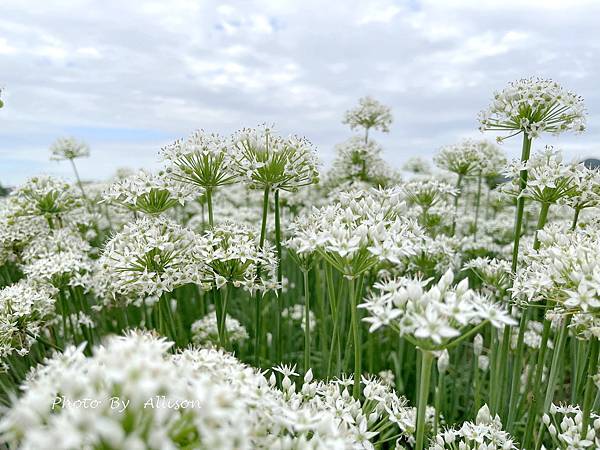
(244, 296)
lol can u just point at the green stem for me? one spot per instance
(537, 386)
(278, 350)
(589, 386)
(458, 183)
(557, 360)
(477, 205)
(356, 336)
(79, 183)
(575, 218)
(209, 204)
(424, 379)
(526, 149)
(516, 372)
(263, 233)
(541, 222)
(438, 402)
(223, 317)
(306, 321)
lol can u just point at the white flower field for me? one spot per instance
(246, 296)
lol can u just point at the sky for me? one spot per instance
(129, 77)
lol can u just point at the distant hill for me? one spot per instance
(591, 163)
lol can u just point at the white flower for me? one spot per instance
(152, 256)
(68, 148)
(534, 106)
(205, 331)
(150, 193)
(369, 114)
(203, 159)
(24, 312)
(263, 159)
(433, 316)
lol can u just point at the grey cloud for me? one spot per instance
(180, 65)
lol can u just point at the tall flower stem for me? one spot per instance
(79, 183)
(424, 380)
(356, 337)
(278, 349)
(588, 398)
(557, 360)
(209, 204)
(517, 364)
(263, 233)
(537, 386)
(477, 204)
(545, 336)
(456, 198)
(525, 151)
(335, 340)
(222, 320)
(306, 321)
(541, 222)
(575, 218)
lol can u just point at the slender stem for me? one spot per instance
(477, 205)
(43, 341)
(458, 183)
(335, 316)
(590, 386)
(209, 204)
(263, 233)
(557, 360)
(356, 338)
(516, 372)
(223, 317)
(424, 379)
(78, 179)
(306, 321)
(537, 384)
(541, 222)
(525, 151)
(278, 349)
(575, 218)
(520, 202)
(438, 402)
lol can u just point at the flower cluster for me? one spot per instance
(564, 270)
(152, 256)
(205, 331)
(232, 253)
(369, 114)
(362, 230)
(360, 161)
(264, 159)
(417, 165)
(296, 314)
(68, 148)
(549, 179)
(565, 423)
(433, 316)
(59, 258)
(534, 106)
(485, 433)
(44, 196)
(24, 312)
(203, 160)
(197, 398)
(463, 159)
(149, 193)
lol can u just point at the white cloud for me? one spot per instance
(129, 76)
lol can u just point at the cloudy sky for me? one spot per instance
(131, 76)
